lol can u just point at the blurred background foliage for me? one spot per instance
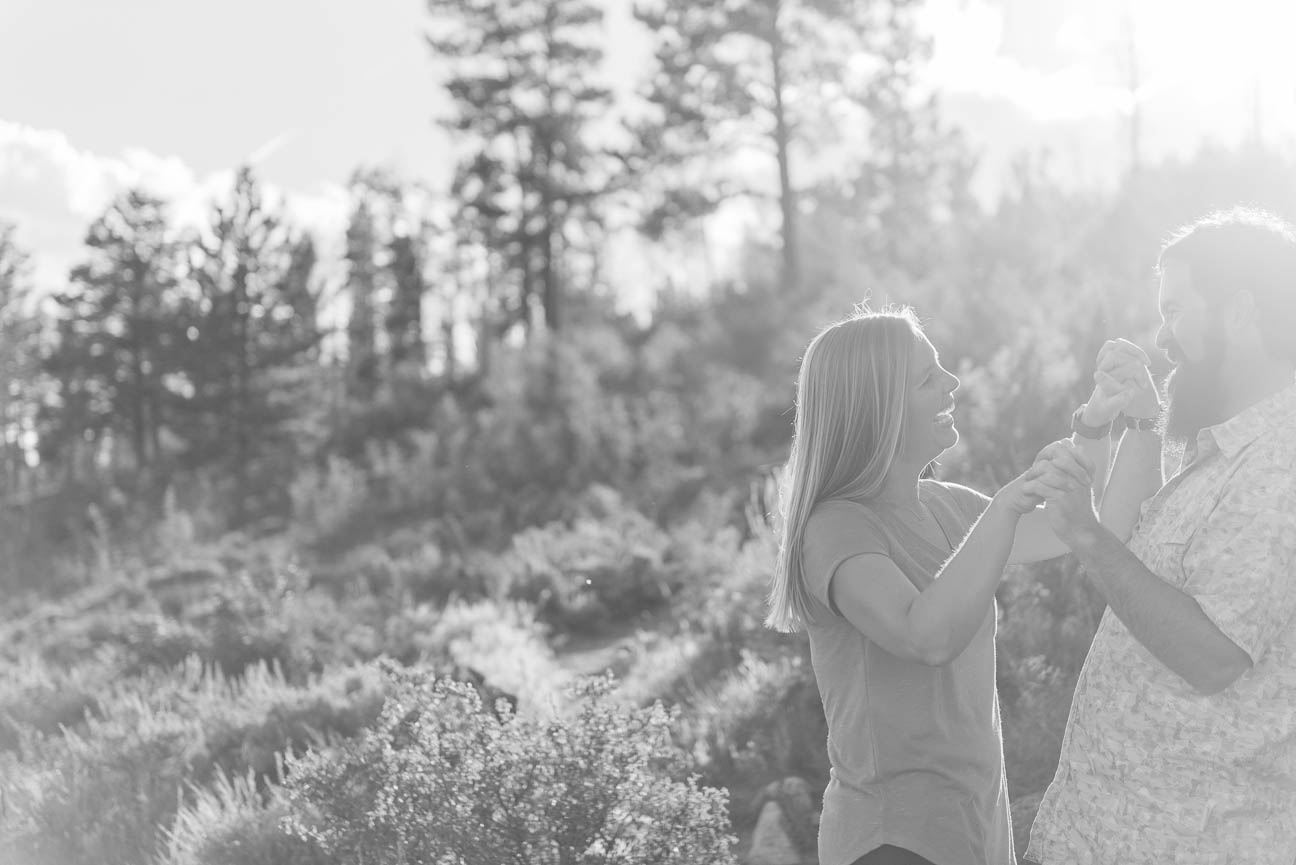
(257, 516)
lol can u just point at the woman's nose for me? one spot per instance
(1163, 338)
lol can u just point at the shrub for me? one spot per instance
(325, 499)
(399, 573)
(104, 794)
(590, 573)
(37, 698)
(501, 643)
(716, 618)
(234, 822)
(672, 666)
(1049, 619)
(442, 778)
(763, 722)
(264, 611)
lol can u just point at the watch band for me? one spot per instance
(1084, 430)
(1142, 424)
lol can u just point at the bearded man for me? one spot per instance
(1181, 742)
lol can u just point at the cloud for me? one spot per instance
(53, 190)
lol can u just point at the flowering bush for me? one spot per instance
(442, 778)
(503, 644)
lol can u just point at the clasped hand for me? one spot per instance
(1061, 478)
(1122, 383)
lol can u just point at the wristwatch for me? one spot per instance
(1142, 424)
(1083, 429)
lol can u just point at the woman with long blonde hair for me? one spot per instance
(893, 577)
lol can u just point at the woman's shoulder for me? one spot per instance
(836, 525)
(834, 515)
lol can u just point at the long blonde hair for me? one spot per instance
(850, 411)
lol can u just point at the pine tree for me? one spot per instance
(117, 329)
(404, 320)
(245, 339)
(915, 171)
(734, 76)
(20, 365)
(521, 84)
(362, 285)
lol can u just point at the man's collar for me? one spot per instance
(1246, 426)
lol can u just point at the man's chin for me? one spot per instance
(1178, 429)
(1185, 417)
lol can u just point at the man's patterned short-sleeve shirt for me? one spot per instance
(1152, 771)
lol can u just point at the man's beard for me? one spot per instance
(1195, 391)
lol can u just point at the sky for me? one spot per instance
(174, 94)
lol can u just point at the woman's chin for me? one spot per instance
(948, 437)
(945, 438)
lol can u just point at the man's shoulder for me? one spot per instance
(1278, 444)
(1270, 463)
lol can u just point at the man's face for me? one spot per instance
(1193, 338)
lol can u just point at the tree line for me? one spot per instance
(227, 358)
(227, 350)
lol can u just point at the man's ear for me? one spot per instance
(1243, 313)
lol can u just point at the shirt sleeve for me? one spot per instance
(1240, 565)
(837, 531)
(970, 502)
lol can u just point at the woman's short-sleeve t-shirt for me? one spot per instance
(916, 751)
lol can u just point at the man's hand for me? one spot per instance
(1044, 478)
(1122, 383)
(1069, 507)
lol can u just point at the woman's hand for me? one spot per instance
(1122, 383)
(1058, 469)
(1069, 505)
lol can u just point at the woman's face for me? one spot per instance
(929, 419)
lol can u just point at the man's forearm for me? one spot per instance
(1135, 477)
(1170, 624)
(1097, 451)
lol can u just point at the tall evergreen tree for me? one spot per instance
(24, 387)
(118, 329)
(521, 82)
(245, 337)
(404, 320)
(301, 295)
(362, 285)
(733, 76)
(915, 171)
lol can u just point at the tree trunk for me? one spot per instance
(782, 135)
(242, 440)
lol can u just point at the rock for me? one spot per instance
(797, 808)
(792, 791)
(771, 844)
